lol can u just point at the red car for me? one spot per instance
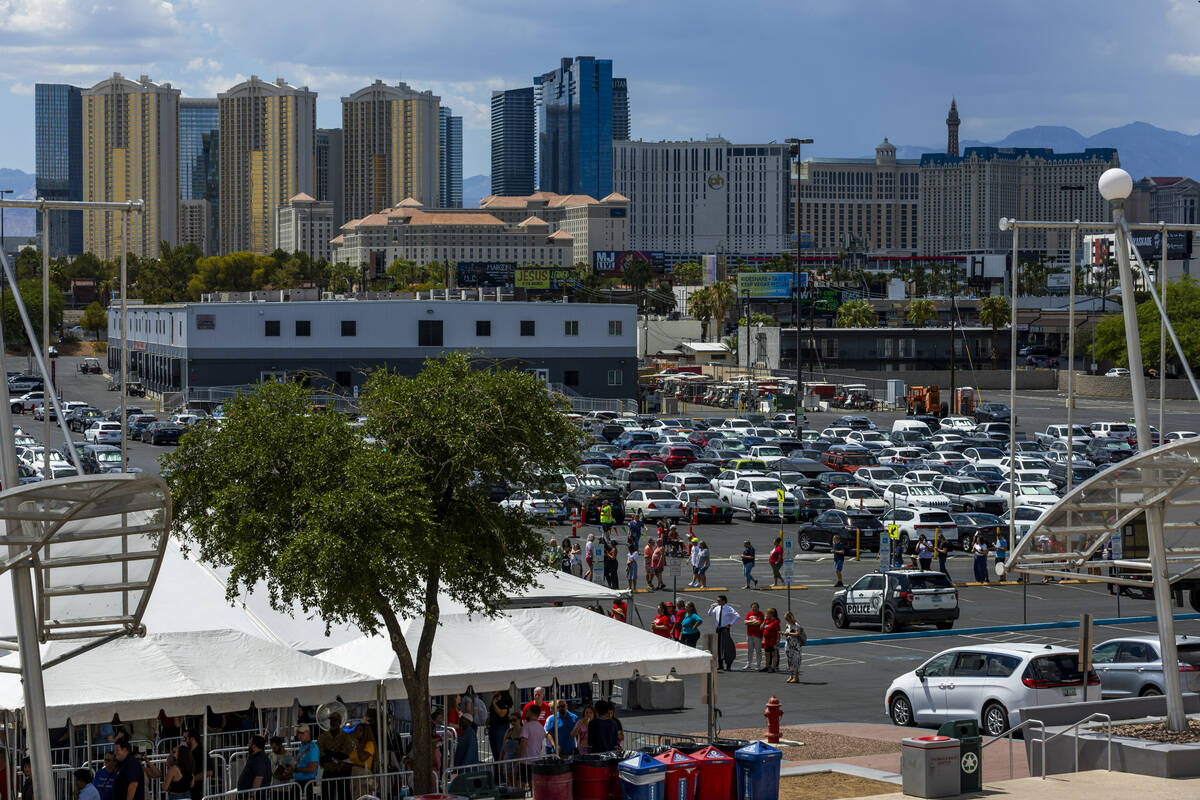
(675, 457)
(656, 466)
(623, 460)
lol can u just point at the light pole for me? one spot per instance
(794, 153)
(1115, 186)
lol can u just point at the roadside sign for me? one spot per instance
(674, 566)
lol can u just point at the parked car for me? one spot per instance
(677, 482)
(723, 483)
(103, 433)
(1041, 361)
(850, 525)
(934, 524)
(915, 495)
(848, 458)
(993, 431)
(992, 412)
(705, 506)
(828, 481)
(811, 502)
(877, 478)
(1117, 372)
(22, 384)
(1030, 494)
(971, 524)
(1132, 666)
(98, 458)
(162, 433)
(759, 497)
(970, 494)
(654, 504)
(81, 418)
(857, 498)
(1080, 472)
(995, 684)
(536, 505)
(897, 598)
(630, 480)
(138, 423)
(1105, 450)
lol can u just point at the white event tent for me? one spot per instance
(528, 647)
(182, 673)
(190, 596)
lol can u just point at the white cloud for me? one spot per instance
(21, 88)
(203, 65)
(1185, 64)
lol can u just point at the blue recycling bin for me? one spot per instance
(642, 778)
(758, 767)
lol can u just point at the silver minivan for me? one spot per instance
(1132, 666)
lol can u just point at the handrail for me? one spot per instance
(1008, 734)
(1075, 728)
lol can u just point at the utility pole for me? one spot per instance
(794, 153)
(953, 291)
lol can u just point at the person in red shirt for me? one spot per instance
(754, 637)
(538, 702)
(658, 563)
(620, 611)
(776, 562)
(770, 643)
(648, 559)
(680, 613)
(663, 622)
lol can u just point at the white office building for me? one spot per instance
(706, 196)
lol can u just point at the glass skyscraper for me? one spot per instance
(449, 159)
(513, 142)
(576, 121)
(199, 151)
(58, 154)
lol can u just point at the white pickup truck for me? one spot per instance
(1058, 433)
(760, 498)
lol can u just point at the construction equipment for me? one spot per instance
(923, 400)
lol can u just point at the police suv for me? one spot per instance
(895, 598)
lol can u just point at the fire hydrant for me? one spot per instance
(773, 714)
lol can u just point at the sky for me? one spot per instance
(845, 73)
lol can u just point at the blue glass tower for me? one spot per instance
(58, 155)
(513, 142)
(575, 118)
(199, 147)
(449, 159)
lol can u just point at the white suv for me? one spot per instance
(103, 433)
(995, 684)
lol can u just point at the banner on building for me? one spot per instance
(548, 278)
(710, 269)
(489, 274)
(611, 263)
(1149, 244)
(765, 285)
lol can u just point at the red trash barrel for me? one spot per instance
(715, 774)
(551, 779)
(681, 775)
(593, 774)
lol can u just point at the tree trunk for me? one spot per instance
(416, 684)
(995, 347)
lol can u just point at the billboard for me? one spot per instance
(490, 274)
(710, 269)
(547, 278)
(611, 263)
(1058, 280)
(774, 285)
(1149, 244)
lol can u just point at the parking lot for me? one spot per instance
(840, 682)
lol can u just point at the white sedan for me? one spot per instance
(654, 504)
(916, 495)
(958, 424)
(856, 498)
(1040, 495)
(1117, 372)
(1175, 436)
(536, 505)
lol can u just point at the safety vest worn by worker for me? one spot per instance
(606, 515)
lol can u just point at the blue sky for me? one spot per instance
(843, 72)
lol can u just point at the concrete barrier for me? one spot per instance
(1118, 388)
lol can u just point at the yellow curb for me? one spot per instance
(993, 583)
(796, 587)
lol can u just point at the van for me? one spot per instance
(913, 425)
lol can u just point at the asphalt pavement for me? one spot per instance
(840, 682)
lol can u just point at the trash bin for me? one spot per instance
(473, 785)
(758, 771)
(551, 779)
(929, 766)
(688, 747)
(730, 747)
(714, 779)
(680, 782)
(642, 778)
(593, 774)
(970, 752)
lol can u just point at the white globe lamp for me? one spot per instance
(1115, 184)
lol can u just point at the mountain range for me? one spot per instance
(18, 221)
(1143, 149)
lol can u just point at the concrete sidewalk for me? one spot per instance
(1084, 786)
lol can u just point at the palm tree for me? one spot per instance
(920, 312)
(995, 311)
(700, 305)
(857, 314)
(723, 299)
(638, 274)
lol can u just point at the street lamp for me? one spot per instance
(1115, 186)
(794, 153)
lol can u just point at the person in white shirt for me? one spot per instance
(631, 567)
(724, 617)
(695, 558)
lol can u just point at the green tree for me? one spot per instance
(723, 299)
(856, 314)
(31, 293)
(342, 277)
(689, 273)
(758, 318)
(921, 312)
(1183, 310)
(373, 535)
(95, 319)
(638, 275)
(995, 312)
(700, 306)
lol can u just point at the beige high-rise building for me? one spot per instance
(131, 152)
(390, 140)
(268, 134)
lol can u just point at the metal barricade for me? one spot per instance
(281, 791)
(508, 772)
(382, 785)
(635, 740)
